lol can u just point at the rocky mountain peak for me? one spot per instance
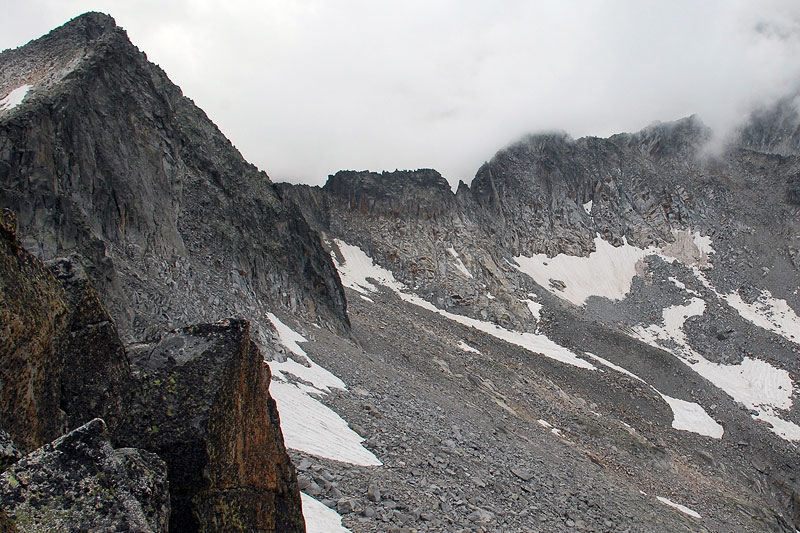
(44, 62)
(103, 156)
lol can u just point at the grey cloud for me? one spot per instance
(305, 88)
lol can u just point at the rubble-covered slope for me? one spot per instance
(643, 256)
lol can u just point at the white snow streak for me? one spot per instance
(588, 207)
(14, 98)
(686, 416)
(288, 336)
(313, 373)
(756, 384)
(467, 348)
(459, 265)
(307, 424)
(358, 268)
(681, 508)
(767, 312)
(311, 427)
(320, 518)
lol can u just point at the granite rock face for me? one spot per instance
(33, 311)
(80, 482)
(198, 398)
(201, 403)
(106, 158)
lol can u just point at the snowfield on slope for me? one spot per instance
(308, 425)
(14, 98)
(357, 269)
(754, 383)
(609, 270)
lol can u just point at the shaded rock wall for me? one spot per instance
(61, 360)
(202, 403)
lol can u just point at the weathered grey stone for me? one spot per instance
(80, 483)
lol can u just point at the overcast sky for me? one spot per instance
(305, 88)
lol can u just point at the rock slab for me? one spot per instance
(80, 482)
(202, 404)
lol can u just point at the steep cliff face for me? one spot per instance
(105, 157)
(774, 129)
(199, 398)
(201, 402)
(552, 194)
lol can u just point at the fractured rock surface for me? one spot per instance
(79, 482)
(201, 403)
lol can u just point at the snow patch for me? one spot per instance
(588, 207)
(459, 265)
(754, 383)
(606, 272)
(307, 424)
(609, 270)
(686, 416)
(690, 416)
(14, 98)
(681, 508)
(311, 427)
(319, 517)
(358, 268)
(467, 348)
(535, 308)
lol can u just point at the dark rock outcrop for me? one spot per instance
(81, 483)
(61, 361)
(202, 404)
(105, 157)
(33, 310)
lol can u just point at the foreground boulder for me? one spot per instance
(61, 360)
(202, 404)
(80, 483)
